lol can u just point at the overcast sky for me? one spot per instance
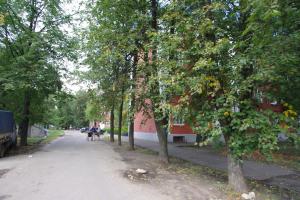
(71, 82)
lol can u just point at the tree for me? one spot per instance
(32, 44)
(112, 44)
(155, 94)
(119, 44)
(80, 104)
(223, 71)
(132, 105)
(64, 110)
(220, 58)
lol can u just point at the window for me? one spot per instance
(274, 103)
(178, 120)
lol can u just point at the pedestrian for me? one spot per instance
(91, 133)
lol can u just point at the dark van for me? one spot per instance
(8, 135)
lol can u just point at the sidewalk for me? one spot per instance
(270, 174)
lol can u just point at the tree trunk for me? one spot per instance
(131, 134)
(154, 14)
(120, 118)
(157, 112)
(132, 104)
(236, 178)
(112, 124)
(163, 142)
(159, 118)
(23, 128)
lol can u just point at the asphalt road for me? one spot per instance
(71, 168)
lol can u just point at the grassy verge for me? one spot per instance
(33, 143)
(52, 135)
(34, 140)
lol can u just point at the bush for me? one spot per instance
(124, 131)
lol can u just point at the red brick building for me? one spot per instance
(144, 128)
(179, 131)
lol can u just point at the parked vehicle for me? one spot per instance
(84, 129)
(8, 135)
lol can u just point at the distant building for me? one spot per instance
(103, 124)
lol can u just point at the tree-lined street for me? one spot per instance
(71, 168)
(222, 74)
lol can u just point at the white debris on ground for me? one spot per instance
(30, 156)
(141, 171)
(250, 196)
(130, 177)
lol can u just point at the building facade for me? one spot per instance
(178, 131)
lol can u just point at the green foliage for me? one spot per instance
(67, 111)
(116, 29)
(32, 45)
(93, 111)
(223, 58)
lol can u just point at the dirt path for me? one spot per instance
(177, 180)
(71, 168)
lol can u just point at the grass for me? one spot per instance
(52, 135)
(34, 142)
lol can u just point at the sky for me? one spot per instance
(70, 80)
